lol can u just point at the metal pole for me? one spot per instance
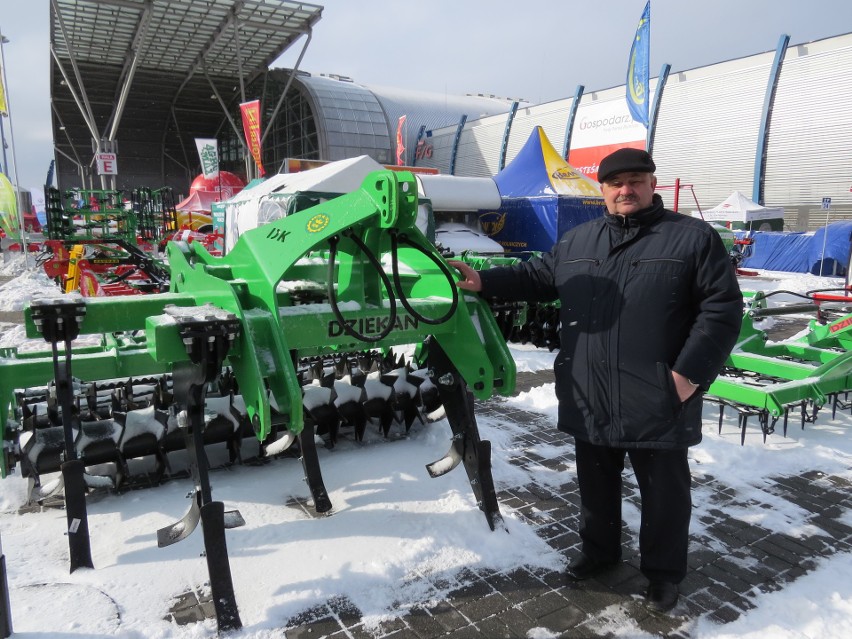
(4, 40)
(824, 239)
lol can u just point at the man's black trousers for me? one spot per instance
(664, 485)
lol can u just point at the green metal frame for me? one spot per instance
(783, 374)
(261, 281)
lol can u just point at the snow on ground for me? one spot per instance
(391, 525)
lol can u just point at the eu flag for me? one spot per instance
(637, 69)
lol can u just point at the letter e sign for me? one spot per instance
(107, 164)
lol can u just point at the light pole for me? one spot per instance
(4, 40)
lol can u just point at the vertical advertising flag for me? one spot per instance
(637, 69)
(251, 128)
(209, 154)
(8, 207)
(3, 108)
(400, 147)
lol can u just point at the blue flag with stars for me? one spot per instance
(637, 69)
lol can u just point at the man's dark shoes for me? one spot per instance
(661, 596)
(584, 567)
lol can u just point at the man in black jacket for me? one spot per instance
(650, 310)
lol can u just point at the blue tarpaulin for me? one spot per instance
(779, 251)
(832, 249)
(815, 253)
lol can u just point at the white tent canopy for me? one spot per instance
(739, 208)
(254, 206)
(264, 202)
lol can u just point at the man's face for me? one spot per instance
(626, 193)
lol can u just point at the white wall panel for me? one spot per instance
(479, 147)
(707, 130)
(809, 151)
(551, 116)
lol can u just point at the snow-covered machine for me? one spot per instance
(287, 337)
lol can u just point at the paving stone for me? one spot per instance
(568, 616)
(424, 625)
(449, 618)
(482, 607)
(404, 633)
(314, 629)
(468, 632)
(495, 627)
(514, 619)
(724, 614)
(544, 605)
(771, 548)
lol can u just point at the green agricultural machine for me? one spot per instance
(519, 322)
(287, 338)
(770, 380)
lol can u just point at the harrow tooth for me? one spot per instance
(350, 405)
(403, 396)
(342, 367)
(377, 405)
(319, 406)
(428, 397)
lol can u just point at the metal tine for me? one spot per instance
(743, 424)
(786, 416)
(721, 416)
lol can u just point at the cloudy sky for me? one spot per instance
(537, 50)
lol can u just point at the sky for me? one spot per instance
(537, 50)
(391, 525)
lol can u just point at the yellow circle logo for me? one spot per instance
(317, 223)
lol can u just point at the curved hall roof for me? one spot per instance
(152, 74)
(179, 35)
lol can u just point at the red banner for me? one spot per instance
(400, 147)
(251, 127)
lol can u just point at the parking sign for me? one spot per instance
(826, 203)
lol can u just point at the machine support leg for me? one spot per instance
(207, 336)
(60, 321)
(313, 475)
(466, 446)
(5, 607)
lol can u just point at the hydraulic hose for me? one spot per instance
(395, 239)
(332, 296)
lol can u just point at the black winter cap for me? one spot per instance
(625, 160)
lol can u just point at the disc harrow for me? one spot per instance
(292, 337)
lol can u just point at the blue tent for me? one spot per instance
(542, 196)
